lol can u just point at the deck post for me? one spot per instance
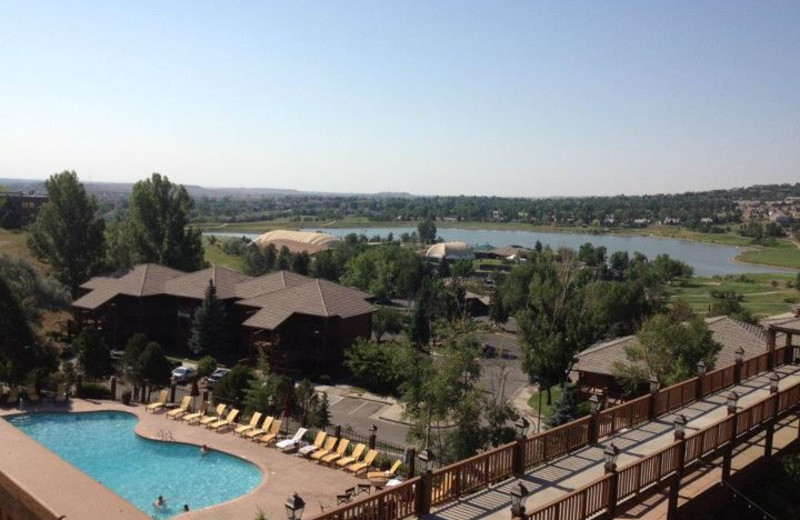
(172, 388)
(519, 456)
(675, 485)
(727, 457)
(771, 338)
(737, 371)
(770, 423)
(611, 469)
(655, 388)
(412, 457)
(424, 493)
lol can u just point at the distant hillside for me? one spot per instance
(109, 189)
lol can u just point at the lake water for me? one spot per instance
(706, 259)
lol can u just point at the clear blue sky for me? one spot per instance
(435, 97)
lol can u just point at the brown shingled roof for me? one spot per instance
(193, 285)
(141, 280)
(270, 283)
(315, 298)
(730, 333)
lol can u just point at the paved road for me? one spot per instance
(586, 465)
(360, 414)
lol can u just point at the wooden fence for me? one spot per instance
(389, 504)
(660, 467)
(556, 442)
(478, 472)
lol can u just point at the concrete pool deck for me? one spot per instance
(70, 492)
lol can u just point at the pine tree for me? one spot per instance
(210, 326)
(565, 409)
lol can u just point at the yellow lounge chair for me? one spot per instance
(182, 409)
(61, 394)
(189, 418)
(254, 420)
(326, 449)
(161, 403)
(208, 419)
(272, 436)
(13, 396)
(33, 397)
(229, 421)
(364, 465)
(260, 431)
(338, 454)
(374, 475)
(358, 451)
(316, 445)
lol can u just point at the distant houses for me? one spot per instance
(304, 324)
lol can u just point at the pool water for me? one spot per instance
(104, 446)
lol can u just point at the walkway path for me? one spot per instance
(548, 482)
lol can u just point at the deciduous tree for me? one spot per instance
(68, 233)
(155, 226)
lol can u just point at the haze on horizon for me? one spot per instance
(449, 97)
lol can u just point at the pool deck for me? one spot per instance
(70, 492)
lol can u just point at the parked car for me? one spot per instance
(182, 375)
(216, 376)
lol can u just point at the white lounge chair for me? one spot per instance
(291, 443)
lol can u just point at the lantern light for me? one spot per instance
(701, 368)
(294, 507)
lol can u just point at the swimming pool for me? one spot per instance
(105, 446)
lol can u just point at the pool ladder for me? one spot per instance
(166, 436)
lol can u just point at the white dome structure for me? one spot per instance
(450, 251)
(297, 241)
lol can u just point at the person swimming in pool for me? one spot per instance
(185, 508)
(204, 450)
(160, 502)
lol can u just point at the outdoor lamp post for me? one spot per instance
(594, 403)
(739, 354)
(680, 427)
(521, 425)
(426, 457)
(774, 379)
(294, 507)
(519, 495)
(733, 398)
(701, 368)
(654, 384)
(610, 454)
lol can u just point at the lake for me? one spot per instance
(706, 259)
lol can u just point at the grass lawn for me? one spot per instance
(761, 297)
(785, 254)
(14, 244)
(215, 255)
(533, 402)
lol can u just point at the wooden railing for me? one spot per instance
(471, 474)
(626, 415)
(389, 504)
(718, 379)
(587, 502)
(480, 471)
(642, 475)
(676, 396)
(584, 502)
(556, 442)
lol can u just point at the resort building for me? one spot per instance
(298, 241)
(304, 324)
(450, 251)
(594, 365)
(18, 209)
